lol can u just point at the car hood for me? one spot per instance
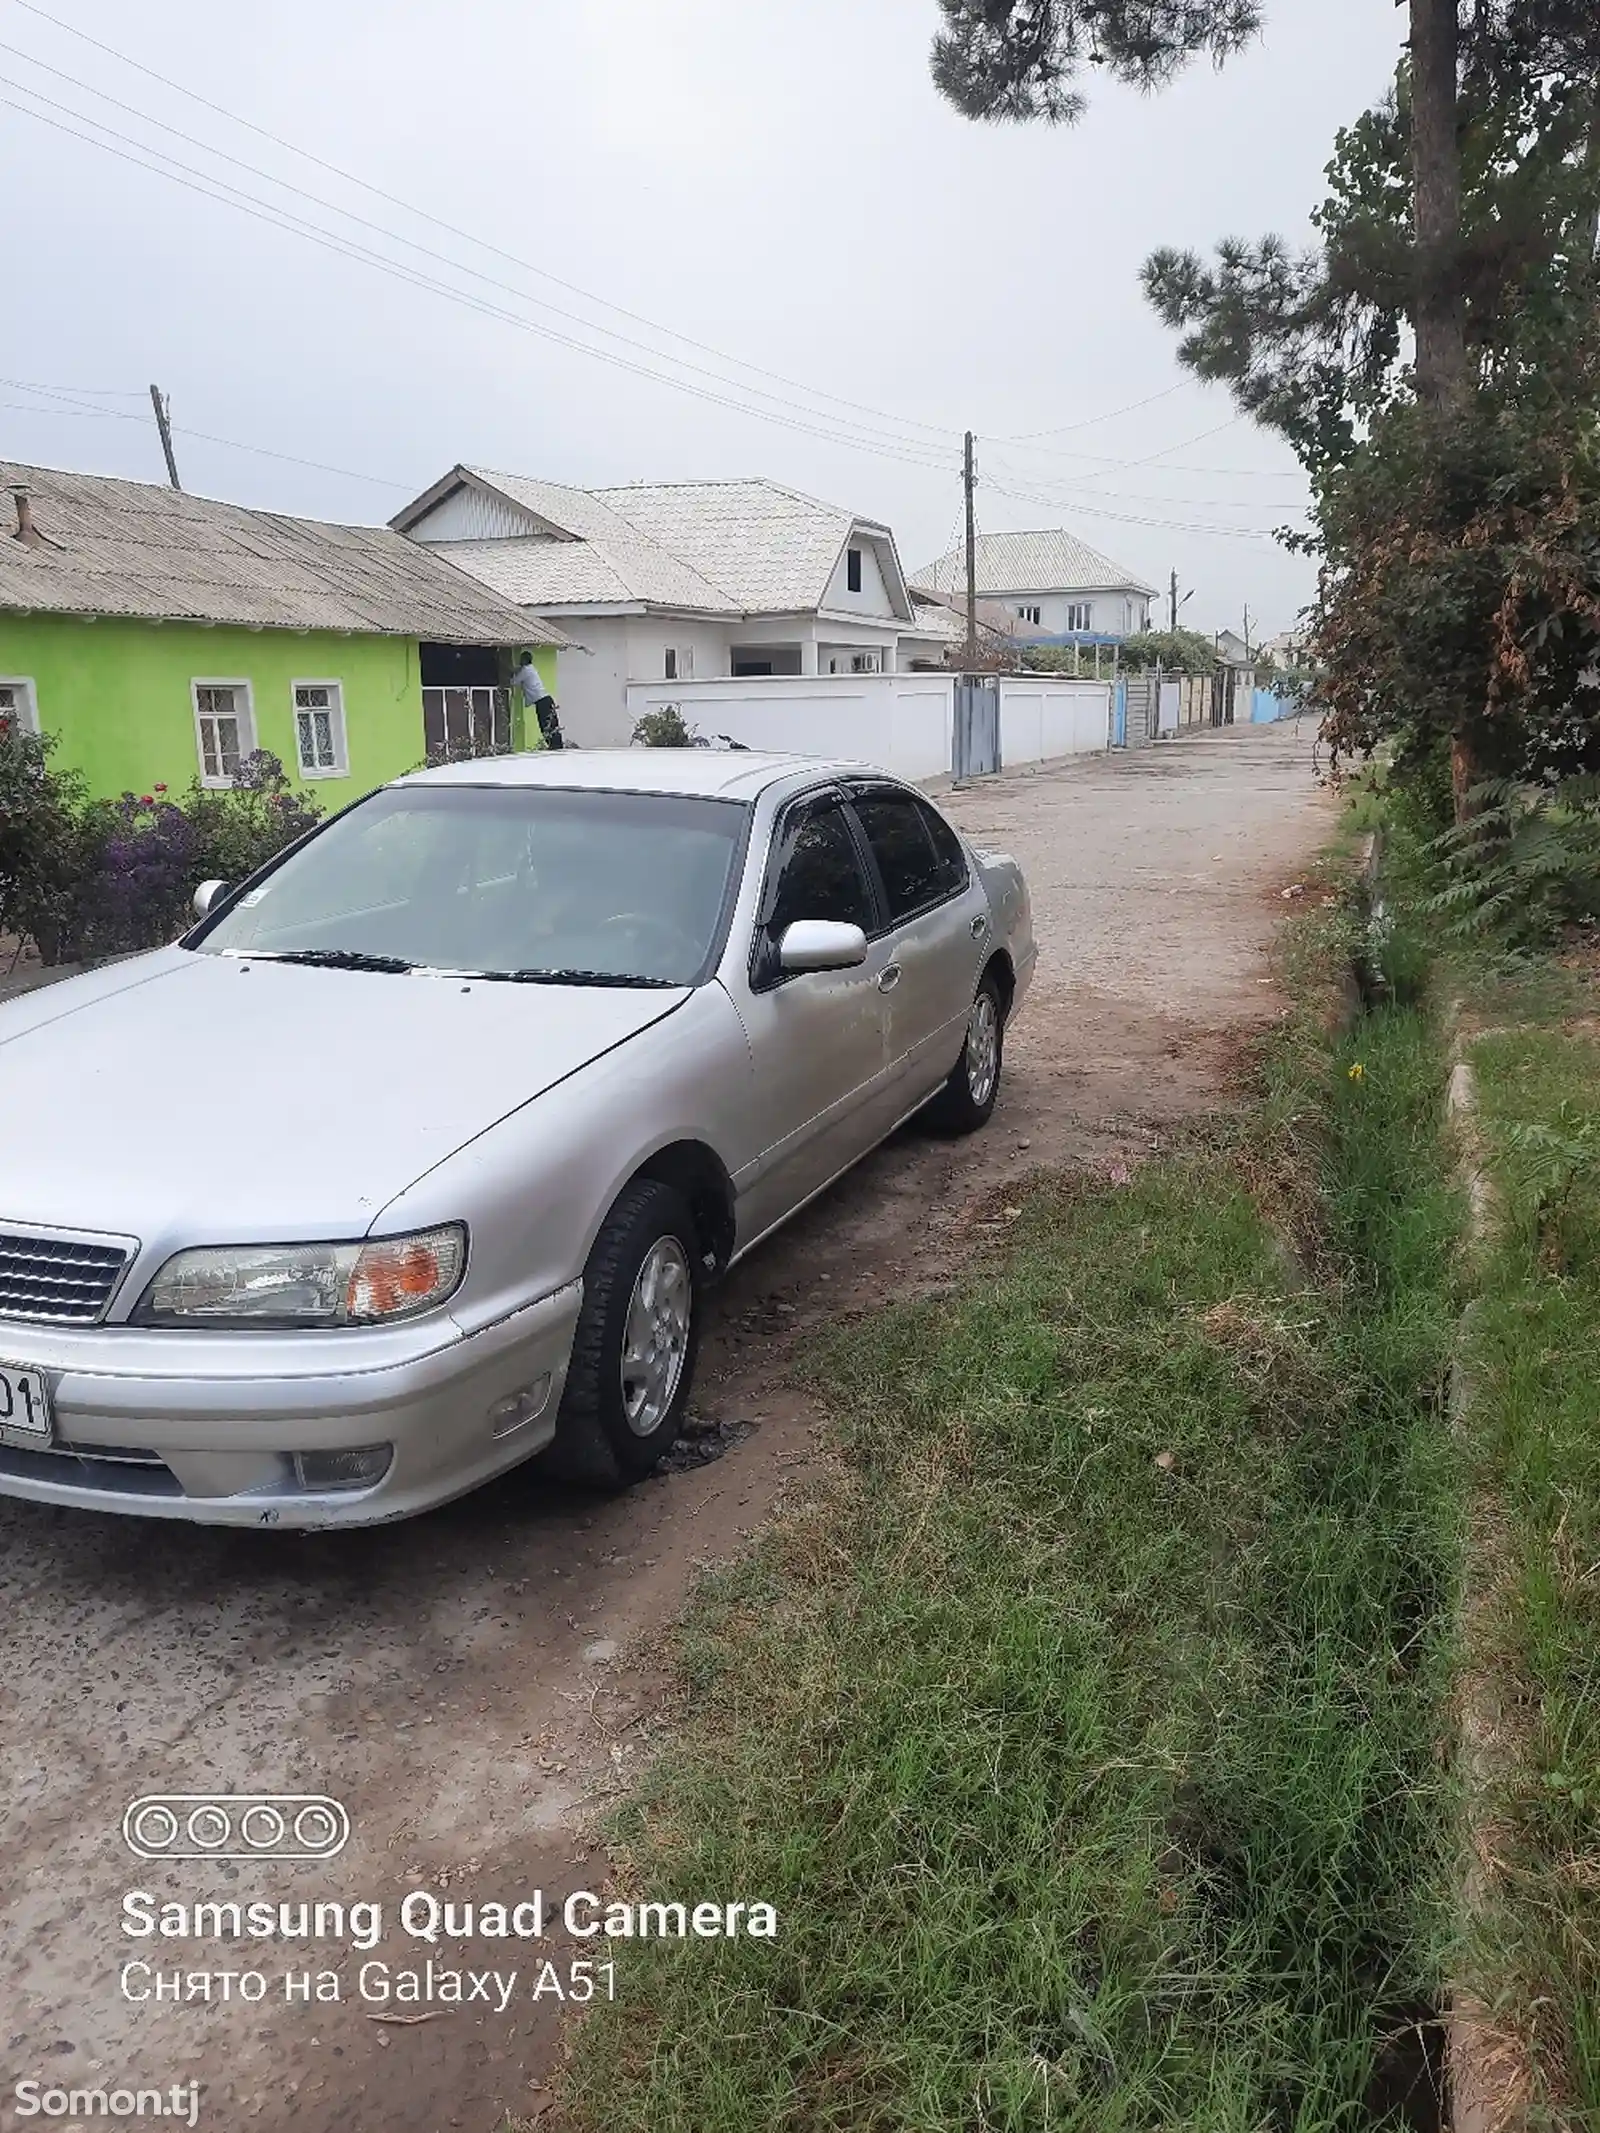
(193, 1097)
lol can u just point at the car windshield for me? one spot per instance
(532, 883)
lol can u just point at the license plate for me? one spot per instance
(24, 1407)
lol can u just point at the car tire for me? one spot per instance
(638, 1334)
(967, 1099)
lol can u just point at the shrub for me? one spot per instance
(86, 878)
(1524, 863)
(664, 728)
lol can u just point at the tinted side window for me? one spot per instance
(947, 849)
(822, 875)
(913, 876)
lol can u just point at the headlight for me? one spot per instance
(308, 1284)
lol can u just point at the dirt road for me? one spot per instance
(470, 1684)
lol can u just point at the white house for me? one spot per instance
(1050, 582)
(682, 582)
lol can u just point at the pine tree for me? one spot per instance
(1465, 215)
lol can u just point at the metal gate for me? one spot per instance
(1139, 728)
(976, 752)
(1224, 693)
(465, 722)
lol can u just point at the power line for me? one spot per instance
(1068, 429)
(88, 392)
(1069, 494)
(218, 189)
(437, 222)
(1124, 518)
(397, 237)
(30, 407)
(235, 444)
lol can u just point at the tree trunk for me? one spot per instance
(1438, 304)
(1436, 155)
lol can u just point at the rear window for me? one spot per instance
(916, 871)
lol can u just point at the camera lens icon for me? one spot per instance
(232, 1825)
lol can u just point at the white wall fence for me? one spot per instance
(902, 722)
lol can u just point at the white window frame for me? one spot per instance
(678, 662)
(1029, 611)
(341, 745)
(247, 722)
(1075, 608)
(27, 700)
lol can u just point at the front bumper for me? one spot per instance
(206, 1427)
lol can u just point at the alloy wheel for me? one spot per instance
(983, 1048)
(655, 1336)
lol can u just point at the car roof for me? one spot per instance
(711, 773)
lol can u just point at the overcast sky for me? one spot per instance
(774, 178)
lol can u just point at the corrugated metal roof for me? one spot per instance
(719, 547)
(133, 548)
(1051, 560)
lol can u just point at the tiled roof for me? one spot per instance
(137, 549)
(767, 549)
(1052, 560)
(625, 561)
(718, 547)
(933, 619)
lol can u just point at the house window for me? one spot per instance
(222, 728)
(1028, 614)
(866, 662)
(852, 569)
(679, 665)
(319, 735)
(1080, 615)
(19, 707)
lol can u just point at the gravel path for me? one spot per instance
(470, 1684)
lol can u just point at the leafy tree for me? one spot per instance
(1181, 651)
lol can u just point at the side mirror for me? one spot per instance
(821, 944)
(209, 893)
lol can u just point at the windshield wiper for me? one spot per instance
(336, 959)
(579, 977)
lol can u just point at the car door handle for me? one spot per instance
(889, 977)
(980, 926)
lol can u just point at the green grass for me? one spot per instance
(1083, 1722)
(1534, 1358)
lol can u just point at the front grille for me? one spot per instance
(58, 1279)
(89, 1466)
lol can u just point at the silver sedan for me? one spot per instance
(418, 1155)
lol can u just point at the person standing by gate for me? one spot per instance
(529, 684)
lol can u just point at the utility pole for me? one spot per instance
(971, 481)
(1247, 631)
(163, 408)
(1173, 625)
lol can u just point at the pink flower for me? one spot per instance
(147, 799)
(161, 788)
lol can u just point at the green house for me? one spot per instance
(161, 637)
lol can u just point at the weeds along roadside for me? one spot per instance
(1083, 1720)
(1532, 1430)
